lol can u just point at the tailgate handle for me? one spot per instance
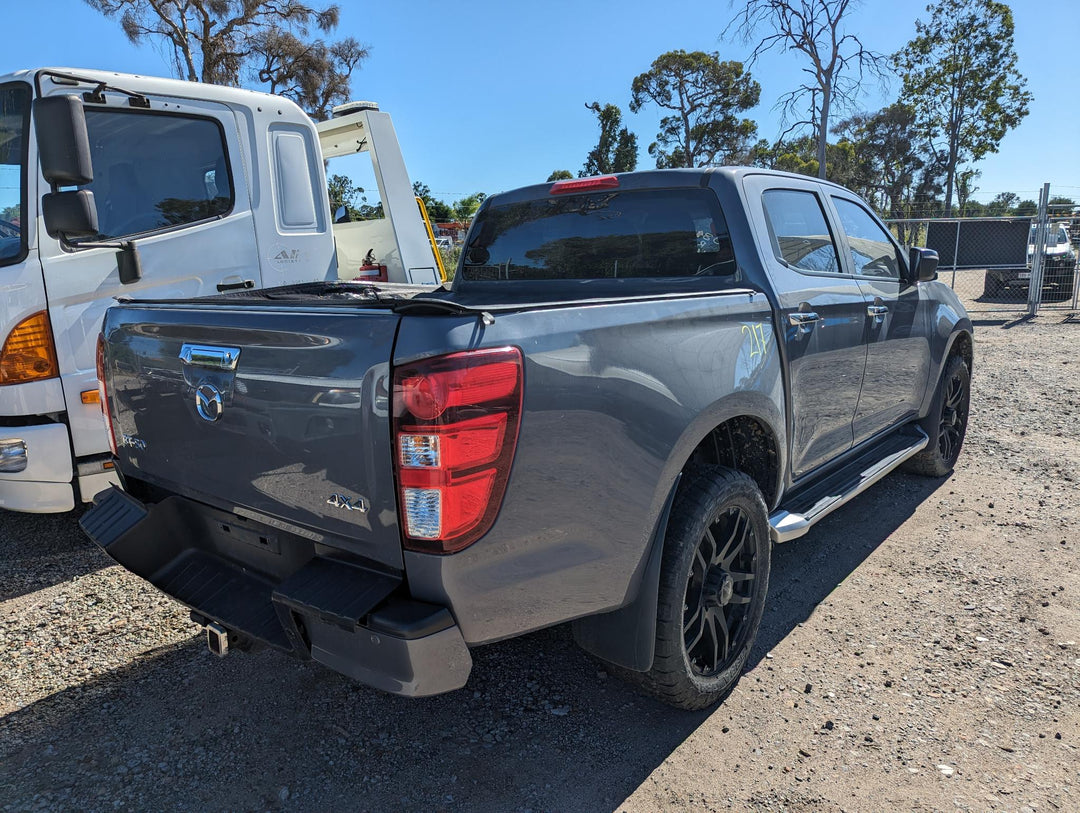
(204, 355)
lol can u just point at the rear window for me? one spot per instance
(602, 235)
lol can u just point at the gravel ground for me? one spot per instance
(918, 653)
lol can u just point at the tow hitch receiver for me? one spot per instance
(217, 639)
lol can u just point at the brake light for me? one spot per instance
(29, 353)
(584, 185)
(456, 421)
(103, 392)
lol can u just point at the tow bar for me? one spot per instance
(217, 639)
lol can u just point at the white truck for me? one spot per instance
(194, 189)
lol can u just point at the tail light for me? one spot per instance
(103, 392)
(584, 185)
(456, 424)
(29, 353)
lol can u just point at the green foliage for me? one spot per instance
(465, 209)
(344, 192)
(617, 149)
(1003, 204)
(960, 74)
(439, 211)
(799, 155)
(221, 42)
(1026, 208)
(560, 175)
(705, 95)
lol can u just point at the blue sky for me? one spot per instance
(490, 95)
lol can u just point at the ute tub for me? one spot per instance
(284, 590)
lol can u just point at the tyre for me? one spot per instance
(991, 286)
(946, 424)
(713, 580)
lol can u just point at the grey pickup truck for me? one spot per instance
(634, 387)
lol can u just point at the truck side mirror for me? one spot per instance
(70, 215)
(922, 265)
(62, 141)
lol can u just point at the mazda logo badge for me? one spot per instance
(208, 402)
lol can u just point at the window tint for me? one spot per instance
(155, 171)
(872, 252)
(14, 107)
(800, 234)
(610, 234)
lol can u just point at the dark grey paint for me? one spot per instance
(617, 396)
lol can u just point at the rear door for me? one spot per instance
(822, 313)
(898, 343)
(170, 179)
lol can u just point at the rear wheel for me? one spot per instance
(946, 424)
(713, 582)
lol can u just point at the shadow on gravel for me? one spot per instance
(806, 570)
(539, 727)
(40, 550)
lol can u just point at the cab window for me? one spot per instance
(156, 171)
(14, 113)
(872, 252)
(800, 234)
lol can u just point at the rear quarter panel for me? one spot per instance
(616, 398)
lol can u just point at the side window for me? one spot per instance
(14, 116)
(872, 252)
(800, 233)
(156, 171)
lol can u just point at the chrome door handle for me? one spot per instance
(803, 318)
(877, 313)
(204, 355)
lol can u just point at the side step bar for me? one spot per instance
(795, 517)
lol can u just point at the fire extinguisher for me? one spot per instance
(371, 271)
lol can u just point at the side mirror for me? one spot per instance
(922, 265)
(70, 215)
(62, 140)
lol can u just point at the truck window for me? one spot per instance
(872, 252)
(603, 235)
(800, 234)
(14, 117)
(156, 171)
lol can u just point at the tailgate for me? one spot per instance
(278, 414)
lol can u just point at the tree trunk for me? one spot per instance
(823, 130)
(950, 177)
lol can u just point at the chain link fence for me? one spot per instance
(1017, 264)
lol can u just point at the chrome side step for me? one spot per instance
(794, 519)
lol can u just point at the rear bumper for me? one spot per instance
(291, 593)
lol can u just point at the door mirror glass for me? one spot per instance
(70, 215)
(62, 140)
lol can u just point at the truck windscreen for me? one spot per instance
(602, 235)
(14, 117)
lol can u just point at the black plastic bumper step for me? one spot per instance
(113, 515)
(336, 592)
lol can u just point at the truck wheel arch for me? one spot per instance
(626, 637)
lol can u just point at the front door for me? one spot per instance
(170, 179)
(898, 352)
(822, 313)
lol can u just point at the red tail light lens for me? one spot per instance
(456, 422)
(103, 392)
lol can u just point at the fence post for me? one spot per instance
(1039, 250)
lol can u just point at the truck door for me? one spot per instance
(822, 313)
(169, 178)
(898, 344)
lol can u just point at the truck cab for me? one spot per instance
(193, 190)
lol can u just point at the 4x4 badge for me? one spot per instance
(348, 503)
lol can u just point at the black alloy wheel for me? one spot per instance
(719, 591)
(954, 415)
(946, 424)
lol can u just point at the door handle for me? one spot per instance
(877, 313)
(243, 284)
(803, 321)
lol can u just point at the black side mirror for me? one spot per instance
(70, 215)
(922, 265)
(63, 143)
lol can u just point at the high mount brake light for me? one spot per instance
(103, 391)
(456, 421)
(584, 185)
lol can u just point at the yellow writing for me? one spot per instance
(758, 338)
